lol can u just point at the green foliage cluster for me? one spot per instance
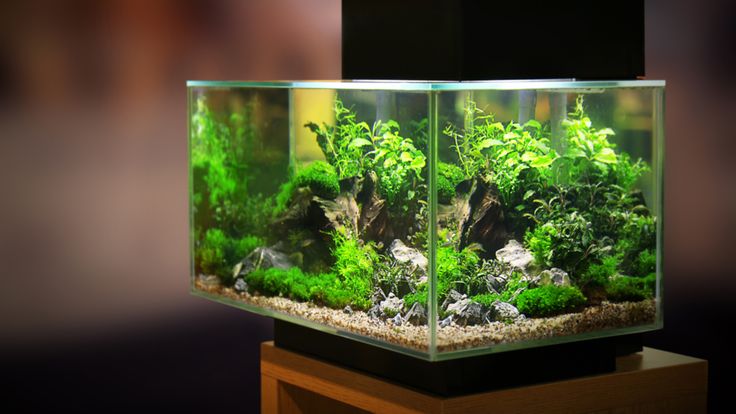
(355, 266)
(515, 157)
(323, 288)
(217, 253)
(354, 148)
(457, 270)
(599, 274)
(221, 157)
(627, 288)
(419, 296)
(550, 300)
(448, 177)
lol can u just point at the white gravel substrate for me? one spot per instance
(454, 337)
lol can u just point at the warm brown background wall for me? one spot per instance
(94, 303)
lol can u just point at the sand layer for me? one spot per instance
(454, 337)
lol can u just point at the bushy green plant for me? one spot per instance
(217, 253)
(420, 296)
(514, 156)
(599, 274)
(344, 144)
(457, 270)
(539, 242)
(355, 265)
(627, 288)
(550, 300)
(646, 262)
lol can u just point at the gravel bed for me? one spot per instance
(453, 337)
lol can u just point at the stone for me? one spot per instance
(516, 256)
(452, 297)
(209, 281)
(406, 255)
(554, 276)
(264, 258)
(502, 311)
(466, 312)
(397, 320)
(391, 304)
(446, 322)
(347, 310)
(241, 285)
(417, 315)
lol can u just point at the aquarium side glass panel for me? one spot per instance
(549, 204)
(311, 205)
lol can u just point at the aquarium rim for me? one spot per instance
(407, 85)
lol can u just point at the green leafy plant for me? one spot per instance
(599, 274)
(355, 266)
(322, 288)
(627, 288)
(218, 253)
(550, 300)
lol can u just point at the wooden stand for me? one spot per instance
(649, 381)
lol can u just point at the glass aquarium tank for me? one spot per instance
(435, 219)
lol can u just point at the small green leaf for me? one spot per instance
(418, 163)
(606, 155)
(510, 135)
(390, 162)
(606, 131)
(405, 157)
(528, 194)
(529, 157)
(533, 123)
(543, 161)
(486, 143)
(360, 142)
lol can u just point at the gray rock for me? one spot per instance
(516, 256)
(417, 315)
(502, 311)
(378, 296)
(397, 320)
(241, 285)
(446, 322)
(390, 305)
(264, 258)
(348, 310)
(407, 255)
(452, 297)
(374, 312)
(466, 312)
(209, 280)
(554, 276)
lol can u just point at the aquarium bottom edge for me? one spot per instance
(463, 375)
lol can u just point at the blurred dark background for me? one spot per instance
(95, 311)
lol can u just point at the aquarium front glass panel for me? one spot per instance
(439, 220)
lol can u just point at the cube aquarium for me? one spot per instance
(434, 219)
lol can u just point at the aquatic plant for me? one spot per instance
(627, 288)
(599, 274)
(550, 300)
(448, 177)
(319, 176)
(322, 288)
(355, 266)
(343, 143)
(217, 253)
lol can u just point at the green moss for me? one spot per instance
(550, 300)
(321, 178)
(626, 288)
(322, 288)
(486, 299)
(448, 177)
